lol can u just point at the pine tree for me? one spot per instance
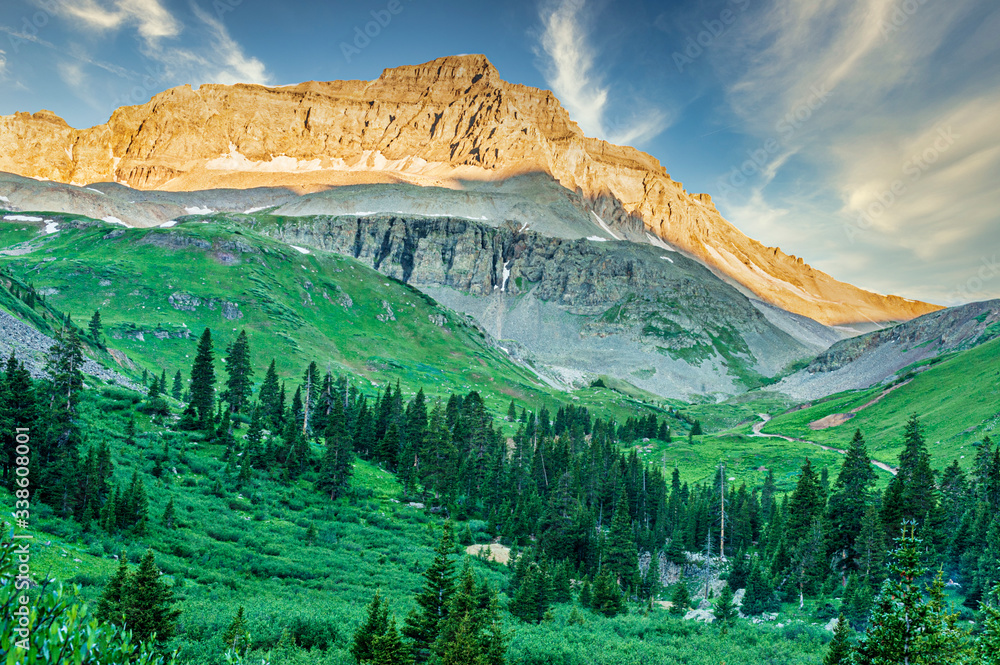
(759, 596)
(376, 624)
(839, 652)
(511, 412)
(177, 390)
(110, 609)
(904, 627)
(339, 456)
(148, 603)
(168, 514)
(203, 379)
(65, 367)
(240, 371)
(680, 599)
(424, 622)
(95, 328)
(270, 399)
(725, 608)
(622, 559)
(607, 597)
(850, 498)
(234, 637)
(389, 649)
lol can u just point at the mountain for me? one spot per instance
(452, 123)
(865, 360)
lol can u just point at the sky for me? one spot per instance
(861, 135)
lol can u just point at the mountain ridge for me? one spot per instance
(441, 122)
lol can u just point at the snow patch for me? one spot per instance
(167, 225)
(114, 220)
(301, 250)
(253, 210)
(21, 218)
(51, 227)
(96, 191)
(603, 225)
(236, 161)
(657, 242)
(195, 210)
(597, 238)
(4, 199)
(667, 258)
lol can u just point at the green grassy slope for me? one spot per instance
(957, 400)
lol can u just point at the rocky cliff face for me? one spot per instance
(580, 308)
(867, 359)
(440, 123)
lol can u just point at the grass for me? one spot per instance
(956, 400)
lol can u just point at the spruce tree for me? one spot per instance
(839, 651)
(240, 371)
(65, 367)
(725, 608)
(234, 637)
(338, 459)
(851, 496)
(149, 603)
(389, 649)
(177, 390)
(376, 624)
(905, 627)
(424, 622)
(607, 597)
(680, 599)
(95, 328)
(110, 608)
(622, 559)
(203, 379)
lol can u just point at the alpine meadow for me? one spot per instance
(436, 364)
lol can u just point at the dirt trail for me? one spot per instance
(835, 419)
(764, 418)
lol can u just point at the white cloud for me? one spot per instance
(151, 20)
(203, 52)
(570, 71)
(3, 64)
(898, 74)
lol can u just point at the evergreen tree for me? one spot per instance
(725, 608)
(95, 328)
(270, 399)
(177, 390)
(148, 603)
(203, 379)
(759, 596)
(622, 559)
(424, 622)
(110, 608)
(168, 514)
(65, 367)
(339, 456)
(240, 371)
(376, 624)
(680, 599)
(511, 412)
(839, 652)
(607, 597)
(234, 637)
(905, 627)
(389, 649)
(850, 499)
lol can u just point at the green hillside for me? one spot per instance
(957, 399)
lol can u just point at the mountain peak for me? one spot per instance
(443, 122)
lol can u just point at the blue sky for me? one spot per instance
(861, 135)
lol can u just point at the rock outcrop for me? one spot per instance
(644, 314)
(440, 123)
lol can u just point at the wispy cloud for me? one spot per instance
(151, 19)
(3, 64)
(203, 52)
(570, 70)
(898, 74)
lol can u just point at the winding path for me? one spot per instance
(764, 418)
